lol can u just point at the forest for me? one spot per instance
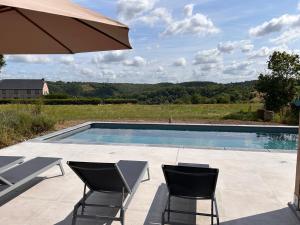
(162, 93)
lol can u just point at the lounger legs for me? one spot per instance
(217, 213)
(214, 211)
(169, 207)
(213, 214)
(122, 216)
(148, 175)
(61, 168)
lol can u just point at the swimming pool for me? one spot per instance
(189, 136)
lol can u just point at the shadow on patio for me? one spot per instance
(157, 207)
(96, 198)
(282, 216)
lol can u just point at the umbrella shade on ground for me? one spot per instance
(57, 27)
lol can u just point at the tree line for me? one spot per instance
(162, 93)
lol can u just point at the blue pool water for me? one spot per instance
(179, 138)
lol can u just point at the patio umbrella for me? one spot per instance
(57, 27)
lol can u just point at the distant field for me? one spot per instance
(187, 113)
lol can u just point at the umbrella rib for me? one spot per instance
(43, 30)
(5, 9)
(100, 31)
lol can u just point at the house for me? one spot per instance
(23, 88)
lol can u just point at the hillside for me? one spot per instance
(162, 93)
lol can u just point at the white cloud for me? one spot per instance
(264, 52)
(109, 75)
(180, 62)
(129, 9)
(211, 56)
(188, 10)
(230, 46)
(246, 46)
(156, 15)
(137, 61)
(287, 36)
(160, 69)
(35, 59)
(196, 24)
(260, 53)
(275, 25)
(86, 71)
(109, 57)
(226, 47)
(237, 68)
(67, 59)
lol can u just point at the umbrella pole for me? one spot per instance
(295, 205)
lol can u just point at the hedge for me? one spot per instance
(69, 101)
(120, 101)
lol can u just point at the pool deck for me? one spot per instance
(253, 187)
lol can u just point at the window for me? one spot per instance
(4, 92)
(29, 92)
(37, 92)
(15, 92)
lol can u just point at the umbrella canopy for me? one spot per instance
(57, 27)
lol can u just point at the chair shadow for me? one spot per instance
(157, 207)
(96, 198)
(19, 190)
(283, 216)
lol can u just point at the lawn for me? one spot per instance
(180, 113)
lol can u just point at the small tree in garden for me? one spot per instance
(278, 86)
(2, 62)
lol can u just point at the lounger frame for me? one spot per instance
(126, 199)
(214, 208)
(18, 160)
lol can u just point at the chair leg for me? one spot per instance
(122, 216)
(169, 207)
(212, 212)
(148, 172)
(61, 169)
(83, 200)
(217, 212)
(75, 214)
(163, 218)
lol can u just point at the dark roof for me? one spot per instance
(19, 84)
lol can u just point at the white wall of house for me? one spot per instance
(45, 89)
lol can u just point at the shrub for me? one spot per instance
(241, 115)
(19, 125)
(42, 123)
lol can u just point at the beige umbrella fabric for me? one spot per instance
(57, 27)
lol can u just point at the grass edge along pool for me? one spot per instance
(239, 137)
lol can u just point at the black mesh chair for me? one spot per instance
(122, 178)
(191, 183)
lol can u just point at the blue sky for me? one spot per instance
(177, 41)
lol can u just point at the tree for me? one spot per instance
(2, 62)
(278, 86)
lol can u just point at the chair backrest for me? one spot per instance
(191, 182)
(102, 177)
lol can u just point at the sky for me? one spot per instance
(177, 41)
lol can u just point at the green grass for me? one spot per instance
(141, 112)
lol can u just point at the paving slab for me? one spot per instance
(253, 187)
